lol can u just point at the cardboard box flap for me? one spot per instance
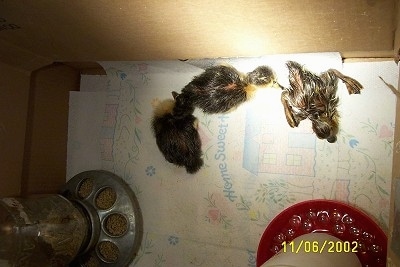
(22, 59)
(138, 30)
(396, 48)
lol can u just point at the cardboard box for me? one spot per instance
(46, 45)
(142, 30)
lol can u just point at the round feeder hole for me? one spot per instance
(115, 224)
(85, 188)
(105, 199)
(108, 251)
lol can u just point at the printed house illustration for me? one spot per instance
(277, 148)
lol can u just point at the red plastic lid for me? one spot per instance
(325, 216)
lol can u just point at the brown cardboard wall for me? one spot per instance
(14, 90)
(47, 128)
(144, 30)
(21, 58)
(396, 45)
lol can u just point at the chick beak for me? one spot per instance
(174, 94)
(277, 85)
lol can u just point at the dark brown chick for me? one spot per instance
(314, 97)
(220, 89)
(176, 133)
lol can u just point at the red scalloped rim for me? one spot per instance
(328, 216)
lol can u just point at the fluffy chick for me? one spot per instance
(176, 133)
(220, 89)
(314, 97)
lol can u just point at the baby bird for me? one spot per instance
(220, 89)
(314, 97)
(177, 137)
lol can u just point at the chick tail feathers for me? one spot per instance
(194, 166)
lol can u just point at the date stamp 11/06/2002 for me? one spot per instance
(326, 246)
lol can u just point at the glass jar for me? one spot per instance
(43, 230)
